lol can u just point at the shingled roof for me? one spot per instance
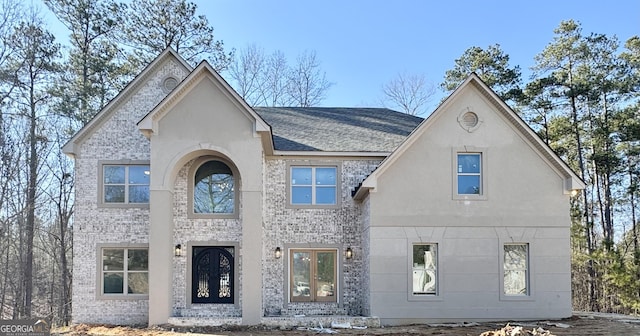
(337, 129)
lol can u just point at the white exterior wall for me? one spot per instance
(117, 138)
(414, 202)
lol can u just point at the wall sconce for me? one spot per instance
(177, 250)
(348, 253)
(278, 252)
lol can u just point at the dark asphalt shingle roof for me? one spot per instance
(337, 129)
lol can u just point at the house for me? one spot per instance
(194, 208)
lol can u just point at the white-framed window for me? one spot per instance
(469, 173)
(124, 271)
(313, 185)
(425, 269)
(125, 184)
(313, 275)
(516, 270)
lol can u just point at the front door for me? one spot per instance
(212, 274)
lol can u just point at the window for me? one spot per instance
(214, 189)
(425, 269)
(516, 269)
(125, 271)
(313, 275)
(469, 173)
(313, 185)
(125, 184)
(212, 274)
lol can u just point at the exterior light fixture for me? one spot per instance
(574, 192)
(278, 252)
(177, 250)
(348, 253)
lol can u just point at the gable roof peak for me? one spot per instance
(71, 147)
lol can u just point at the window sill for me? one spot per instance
(123, 205)
(424, 297)
(123, 297)
(505, 297)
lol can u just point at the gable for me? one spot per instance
(167, 64)
(212, 93)
(445, 127)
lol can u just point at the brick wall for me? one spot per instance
(334, 227)
(117, 138)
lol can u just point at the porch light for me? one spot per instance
(348, 253)
(177, 250)
(278, 252)
(574, 192)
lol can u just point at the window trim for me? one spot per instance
(339, 273)
(126, 163)
(313, 164)
(411, 296)
(197, 163)
(189, 269)
(484, 169)
(100, 295)
(529, 278)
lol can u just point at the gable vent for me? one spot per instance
(169, 83)
(469, 120)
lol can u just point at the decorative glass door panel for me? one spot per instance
(212, 275)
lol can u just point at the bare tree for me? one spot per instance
(36, 51)
(269, 81)
(410, 93)
(307, 83)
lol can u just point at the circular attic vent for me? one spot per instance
(169, 83)
(469, 120)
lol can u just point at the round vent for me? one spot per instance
(169, 83)
(469, 120)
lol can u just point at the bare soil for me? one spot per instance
(584, 324)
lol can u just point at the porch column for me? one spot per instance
(160, 256)
(251, 257)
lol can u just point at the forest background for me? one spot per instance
(582, 98)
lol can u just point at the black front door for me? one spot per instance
(212, 275)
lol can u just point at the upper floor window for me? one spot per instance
(313, 185)
(214, 189)
(425, 269)
(125, 271)
(469, 173)
(125, 184)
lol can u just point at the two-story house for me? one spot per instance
(193, 207)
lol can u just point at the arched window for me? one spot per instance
(214, 189)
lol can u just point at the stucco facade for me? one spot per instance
(395, 191)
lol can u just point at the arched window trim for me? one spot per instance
(197, 163)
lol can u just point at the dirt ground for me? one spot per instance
(584, 324)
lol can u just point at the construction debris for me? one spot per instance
(509, 330)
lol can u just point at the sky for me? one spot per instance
(364, 44)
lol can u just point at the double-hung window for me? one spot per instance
(425, 269)
(469, 173)
(313, 275)
(516, 269)
(124, 271)
(314, 185)
(125, 184)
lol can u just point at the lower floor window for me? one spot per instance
(212, 275)
(516, 269)
(125, 271)
(425, 269)
(313, 275)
